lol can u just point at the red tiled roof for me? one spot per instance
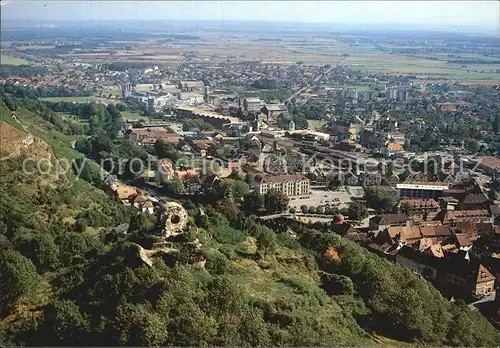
(489, 161)
(393, 147)
(280, 178)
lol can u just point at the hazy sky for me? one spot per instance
(483, 13)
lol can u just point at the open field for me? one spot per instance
(131, 116)
(113, 90)
(12, 60)
(71, 118)
(80, 100)
(480, 82)
(213, 48)
(35, 47)
(460, 81)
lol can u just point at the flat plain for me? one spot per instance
(282, 48)
(5, 59)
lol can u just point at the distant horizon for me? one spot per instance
(492, 30)
(436, 14)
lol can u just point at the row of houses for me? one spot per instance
(440, 253)
(130, 195)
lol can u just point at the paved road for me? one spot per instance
(488, 298)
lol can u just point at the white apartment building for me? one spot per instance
(290, 185)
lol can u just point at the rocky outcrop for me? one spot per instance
(173, 219)
(16, 142)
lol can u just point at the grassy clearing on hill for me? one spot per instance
(61, 144)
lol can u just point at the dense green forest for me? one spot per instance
(67, 278)
(20, 91)
(21, 71)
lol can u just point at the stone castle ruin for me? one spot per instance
(173, 219)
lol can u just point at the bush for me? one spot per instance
(287, 241)
(266, 240)
(304, 208)
(302, 286)
(330, 211)
(18, 278)
(335, 284)
(229, 252)
(80, 225)
(228, 235)
(217, 263)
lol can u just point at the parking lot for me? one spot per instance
(318, 197)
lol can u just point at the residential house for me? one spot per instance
(124, 193)
(371, 139)
(233, 141)
(345, 178)
(393, 179)
(111, 182)
(396, 137)
(399, 234)
(495, 213)
(485, 228)
(149, 135)
(267, 148)
(251, 140)
(191, 86)
(459, 241)
(345, 145)
(391, 149)
(252, 105)
(227, 169)
(371, 179)
(383, 221)
(450, 217)
(142, 202)
(202, 145)
(344, 130)
(165, 171)
(489, 164)
(146, 207)
(184, 174)
(210, 181)
(470, 279)
(350, 179)
(448, 203)
(419, 206)
(437, 232)
(476, 201)
(456, 106)
(273, 112)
